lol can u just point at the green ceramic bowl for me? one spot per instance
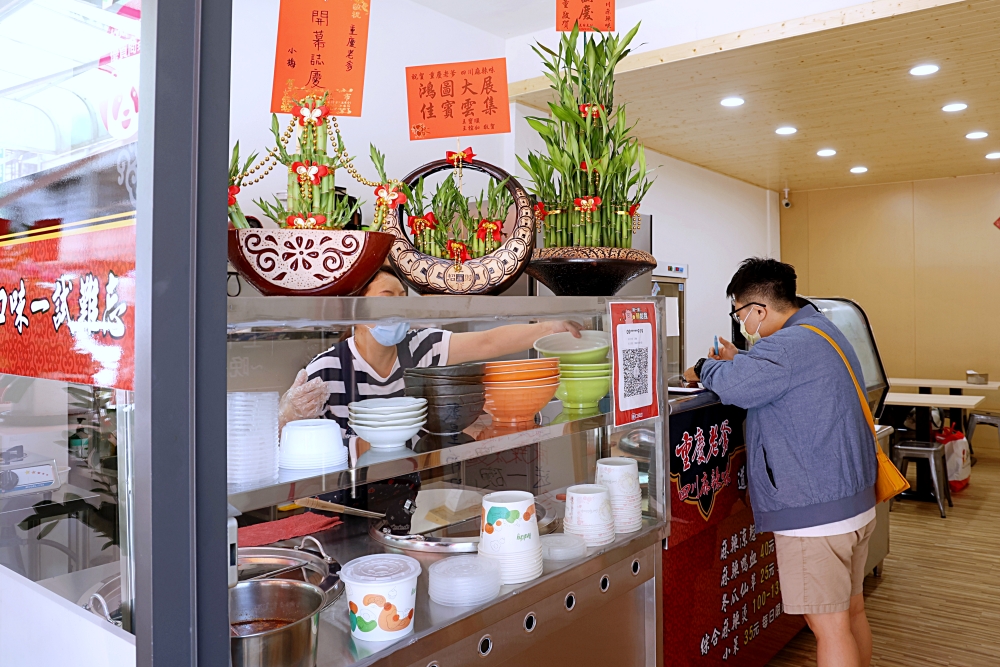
(585, 367)
(591, 347)
(581, 393)
(585, 374)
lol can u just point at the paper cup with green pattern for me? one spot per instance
(509, 524)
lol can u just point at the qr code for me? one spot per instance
(635, 371)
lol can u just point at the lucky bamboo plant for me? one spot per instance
(455, 226)
(593, 175)
(312, 201)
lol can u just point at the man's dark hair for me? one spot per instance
(766, 280)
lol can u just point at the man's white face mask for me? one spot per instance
(751, 338)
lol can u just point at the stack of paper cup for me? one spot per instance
(251, 437)
(510, 535)
(621, 476)
(588, 514)
(462, 581)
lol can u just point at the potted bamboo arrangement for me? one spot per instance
(310, 253)
(593, 176)
(456, 244)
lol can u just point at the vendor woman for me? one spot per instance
(370, 363)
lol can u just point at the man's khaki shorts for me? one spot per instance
(819, 575)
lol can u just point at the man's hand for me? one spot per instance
(567, 325)
(689, 375)
(727, 351)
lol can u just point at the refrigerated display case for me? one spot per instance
(269, 340)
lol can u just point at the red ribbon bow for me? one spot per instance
(587, 204)
(457, 251)
(540, 212)
(310, 115)
(310, 171)
(459, 156)
(233, 191)
(633, 209)
(592, 110)
(419, 223)
(389, 196)
(487, 228)
(303, 221)
(584, 167)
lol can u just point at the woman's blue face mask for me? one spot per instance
(388, 335)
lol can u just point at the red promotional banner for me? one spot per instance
(322, 47)
(590, 14)
(633, 353)
(67, 272)
(457, 99)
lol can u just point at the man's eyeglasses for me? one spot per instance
(734, 313)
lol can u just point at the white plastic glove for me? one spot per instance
(305, 399)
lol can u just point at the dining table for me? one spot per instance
(923, 401)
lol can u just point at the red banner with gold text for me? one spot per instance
(590, 14)
(322, 47)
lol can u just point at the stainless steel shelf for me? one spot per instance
(374, 465)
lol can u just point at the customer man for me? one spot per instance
(810, 453)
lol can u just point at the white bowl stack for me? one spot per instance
(462, 581)
(388, 423)
(251, 437)
(312, 443)
(621, 476)
(509, 535)
(563, 546)
(588, 514)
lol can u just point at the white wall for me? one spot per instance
(670, 22)
(402, 34)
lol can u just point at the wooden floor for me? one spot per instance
(938, 602)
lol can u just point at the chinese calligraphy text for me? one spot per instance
(457, 99)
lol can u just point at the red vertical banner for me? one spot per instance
(322, 47)
(590, 14)
(634, 353)
(457, 99)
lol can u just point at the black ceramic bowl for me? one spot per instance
(445, 390)
(431, 381)
(455, 399)
(460, 370)
(452, 417)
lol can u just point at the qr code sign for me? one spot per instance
(635, 371)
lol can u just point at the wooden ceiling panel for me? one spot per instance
(846, 88)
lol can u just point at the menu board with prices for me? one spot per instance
(322, 47)
(722, 599)
(589, 14)
(457, 99)
(633, 355)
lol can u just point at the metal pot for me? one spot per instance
(275, 623)
(314, 566)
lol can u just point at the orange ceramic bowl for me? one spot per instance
(517, 404)
(521, 375)
(521, 364)
(522, 384)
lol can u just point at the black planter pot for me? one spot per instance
(586, 271)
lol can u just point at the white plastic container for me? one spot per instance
(563, 546)
(381, 594)
(463, 581)
(312, 443)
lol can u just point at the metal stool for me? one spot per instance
(933, 453)
(977, 418)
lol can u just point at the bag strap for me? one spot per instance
(857, 386)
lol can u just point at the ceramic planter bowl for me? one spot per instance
(581, 393)
(591, 347)
(442, 391)
(449, 418)
(459, 370)
(588, 271)
(518, 404)
(307, 262)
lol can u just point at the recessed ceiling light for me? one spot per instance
(732, 102)
(826, 152)
(858, 170)
(957, 106)
(977, 135)
(786, 130)
(993, 156)
(924, 70)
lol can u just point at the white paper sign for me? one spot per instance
(671, 313)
